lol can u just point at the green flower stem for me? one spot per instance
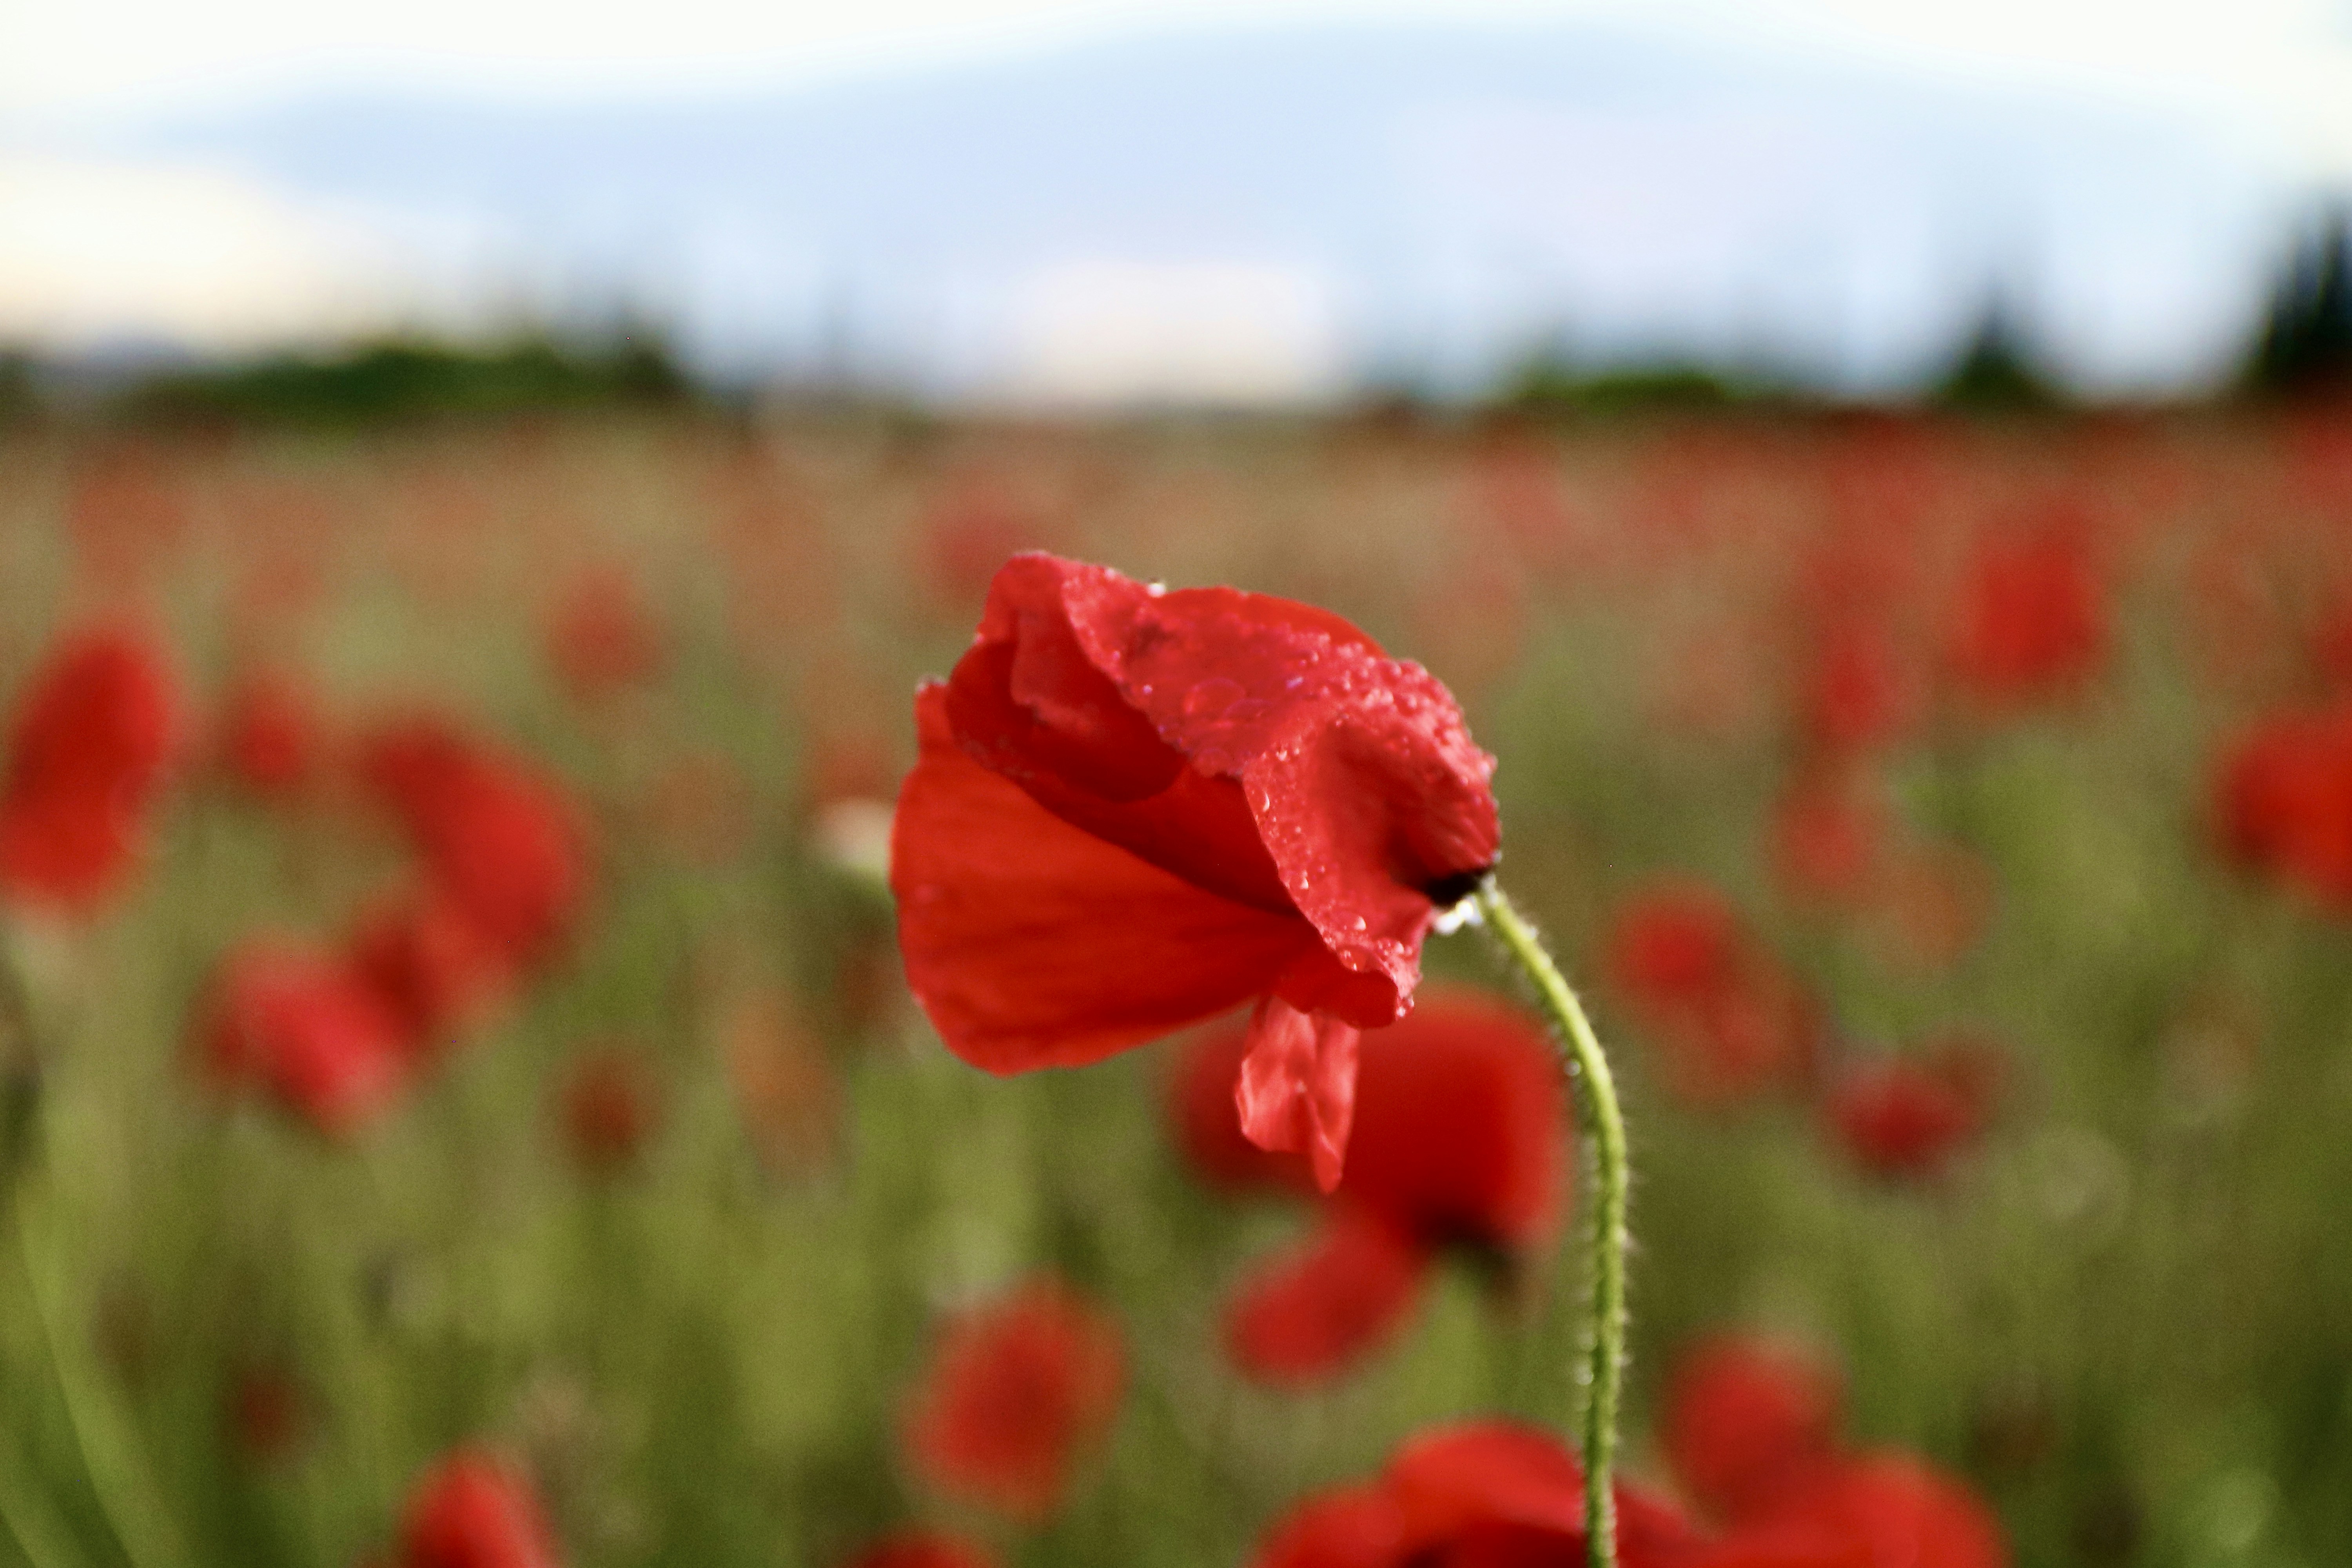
(1604, 1136)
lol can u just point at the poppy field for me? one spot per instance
(524, 1041)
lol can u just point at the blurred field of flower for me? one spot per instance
(457, 1054)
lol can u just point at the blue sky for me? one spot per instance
(2129, 180)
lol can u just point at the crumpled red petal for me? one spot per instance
(1318, 1310)
(1031, 943)
(1285, 741)
(1297, 1090)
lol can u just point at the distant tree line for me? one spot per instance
(2302, 348)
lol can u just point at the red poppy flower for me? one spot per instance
(470, 1510)
(602, 637)
(1674, 943)
(1746, 1421)
(1855, 693)
(1898, 1511)
(1015, 1390)
(1492, 1494)
(266, 740)
(428, 965)
(269, 1415)
(305, 1029)
(1487, 1494)
(1319, 1308)
(92, 733)
(1898, 1117)
(1458, 1143)
(500, 843)
(1728, 1020)
(610, 1104)
(923, 1548)
(1827, 839)
(2031, 619)
(2284, 799)
(1134, 809)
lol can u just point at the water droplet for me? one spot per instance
(1211, 698)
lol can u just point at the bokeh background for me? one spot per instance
(479, 483)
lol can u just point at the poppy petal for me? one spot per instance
(1032, 944)
(1297, 1090)
(1317, 1311)
(1353, 1526)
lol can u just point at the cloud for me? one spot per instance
(95, 253)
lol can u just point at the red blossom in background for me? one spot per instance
(470, 1510)
(1908, 1117)
(1492, 1494)
(1484, 1494)
(1854, 691)
(429, 966)
(2284, 799)
(1751, 1429)
(304, 1029)
(1828, 839)
(1015, 1391)
(2032, 618)
(611, 1104)
(603, 639)
(266, 740)
(500, 842)
(1727, 1019)
(923, 1548)
(1458, 1143)
(1896, 1511)
(1746, 1420)
(269, 1415)
(1135, 809)
(93, 732)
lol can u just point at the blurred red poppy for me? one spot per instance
(2284, 795)
(428, 965)
(1015, 1391)
(1745, 1421)
(602, 637)
(1459, 1142)
(1899, 1117)
(610, 1105)
(1896, 1510)
(1675, 943)
(269, 1415)
(1135, 809)
(2031, 619)
(471, 1511)
(92, 734)
(1854, 691)
(1492, 1494)
(305, 1029)
(1727, 1021)
(267, 738)
(500, 842)
(923, 1548)
(1828, 837)
(1484, 1494)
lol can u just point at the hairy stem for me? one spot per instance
(1604, 1136)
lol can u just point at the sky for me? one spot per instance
(252, 258)
(2285, 60)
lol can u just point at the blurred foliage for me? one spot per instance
(1993, 373)
(1553, 382)
(408, 378)
(2305, 342)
